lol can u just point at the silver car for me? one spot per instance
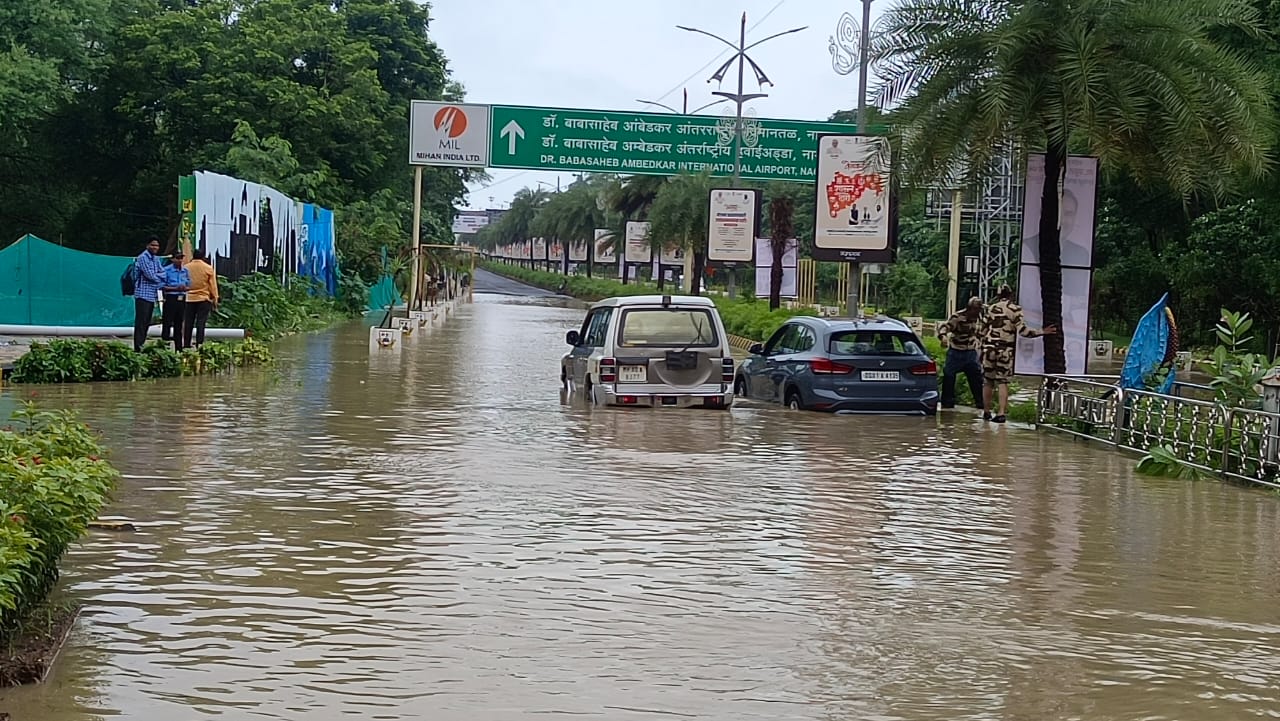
(867, 365)
(651, 350)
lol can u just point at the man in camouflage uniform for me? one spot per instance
(962, 336)
(1004, 325)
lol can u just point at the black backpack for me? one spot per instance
(127, 279)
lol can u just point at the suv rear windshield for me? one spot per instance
(667, 327)
(874, 342)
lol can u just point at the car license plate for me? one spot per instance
(633, 374)
(879, 375)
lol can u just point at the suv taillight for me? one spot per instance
(608, 370)
(726, 370)
(828, 367)
(925, 369)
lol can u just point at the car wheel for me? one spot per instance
(591, 393)
(793, 400)
(564, 378)
(740, 387)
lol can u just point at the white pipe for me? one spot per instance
(104, 331)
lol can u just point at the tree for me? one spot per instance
(103, 103)
(908, 285)
(678, 218)
(517, 224)
(1144, 85)
(1229, 260)
(782, 229)
(572, 215)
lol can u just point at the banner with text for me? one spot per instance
(638, 249)
(852, 218)
(731, 216)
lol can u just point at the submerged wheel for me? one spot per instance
(793, 400)
(740, 387)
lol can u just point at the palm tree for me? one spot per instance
(1144, 85)
(678, 217)
(516, 224)
(782, 210)
(571, 216)
(632, 197)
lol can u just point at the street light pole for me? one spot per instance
(739, 98)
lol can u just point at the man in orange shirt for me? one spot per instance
(202, 297)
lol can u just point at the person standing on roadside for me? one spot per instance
(1004, 325)
(962, 336)
(174, 312)
(202, 297)
(149, 278)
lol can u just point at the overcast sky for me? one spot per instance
(602, 54)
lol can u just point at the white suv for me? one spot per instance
(651, 350)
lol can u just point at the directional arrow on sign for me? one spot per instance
(511, 131)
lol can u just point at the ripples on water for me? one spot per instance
(436, 535)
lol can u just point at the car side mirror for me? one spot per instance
(756, 349)
(572, 338)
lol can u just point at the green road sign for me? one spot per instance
(597, 141)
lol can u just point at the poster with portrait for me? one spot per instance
(1076, 284)
(539, 249)
(1076, 210)
(578, 251)
(852, 218)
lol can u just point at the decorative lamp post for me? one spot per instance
(741, 132)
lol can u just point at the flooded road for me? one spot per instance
(435, 535)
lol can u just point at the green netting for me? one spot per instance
(42, 283)
(384, 294)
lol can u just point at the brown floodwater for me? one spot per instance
(438, 535)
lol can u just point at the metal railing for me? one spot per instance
(1238, 443)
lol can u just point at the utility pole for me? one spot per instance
(854, 301)
(740, 98)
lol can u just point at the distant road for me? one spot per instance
(487, 282)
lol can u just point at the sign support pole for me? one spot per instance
(417, 236)
(953, 255)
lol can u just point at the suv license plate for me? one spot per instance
(879, 375)
(633, 374)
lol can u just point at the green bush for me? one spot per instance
(263, 306)
(53, 482)
(85, 360)
(751, 318)
(353, 295)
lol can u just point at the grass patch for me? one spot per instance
(30, 649)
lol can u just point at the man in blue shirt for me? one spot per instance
(148, 279)
(177, 281)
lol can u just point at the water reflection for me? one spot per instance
(434, 534)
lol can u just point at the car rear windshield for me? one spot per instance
(873, 342)
(667, 327)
